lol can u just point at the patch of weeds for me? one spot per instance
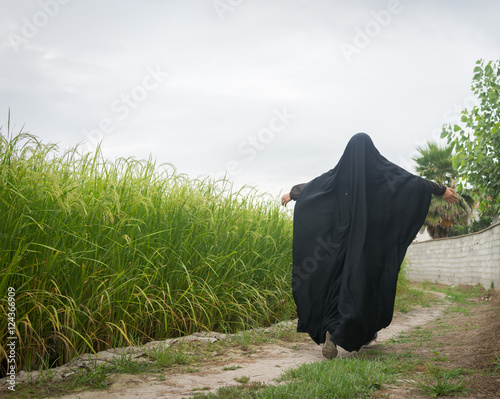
(246, 338)
(95, 378)
(201, 389)
(189, 369)
(415, 336)
(166, 356)
(425, 285)
(346, 378)
(236, 392)
(409, 298)
(438, 357)
(407, 355)
(401, 338)
(421, 334)
(125, 364)
(45, 374)
(393, 363)
(227, 368)
(403, 308)
(439, 382)
(46, 370)
(284, 332)
(459, 309)
(461, 295)
(373, 352)
(43, 386)
(444, 328)
(470, 326)
(496, 363)
(242, 380)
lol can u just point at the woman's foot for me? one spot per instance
(329, 348)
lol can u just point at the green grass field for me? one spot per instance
(103, 254)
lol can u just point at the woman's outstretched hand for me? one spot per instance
(450, 196)
(285, 199)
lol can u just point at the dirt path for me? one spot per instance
(265, 364)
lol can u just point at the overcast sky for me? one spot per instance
(268, 91)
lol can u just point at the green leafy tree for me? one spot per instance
(476, 140)
(435, 163)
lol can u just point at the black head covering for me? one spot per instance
(352, 226)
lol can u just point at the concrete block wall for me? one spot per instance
(470, 259)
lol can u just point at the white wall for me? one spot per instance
(470, 259)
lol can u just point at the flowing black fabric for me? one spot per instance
(352, 227)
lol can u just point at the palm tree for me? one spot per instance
(442, 216)
(434, 163)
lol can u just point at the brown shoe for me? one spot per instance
(329, 348)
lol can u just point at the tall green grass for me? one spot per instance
(105, 253)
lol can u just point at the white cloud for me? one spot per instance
(225, 77)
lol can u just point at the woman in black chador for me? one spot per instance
(352, 226)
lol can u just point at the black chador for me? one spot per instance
(352, 226)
